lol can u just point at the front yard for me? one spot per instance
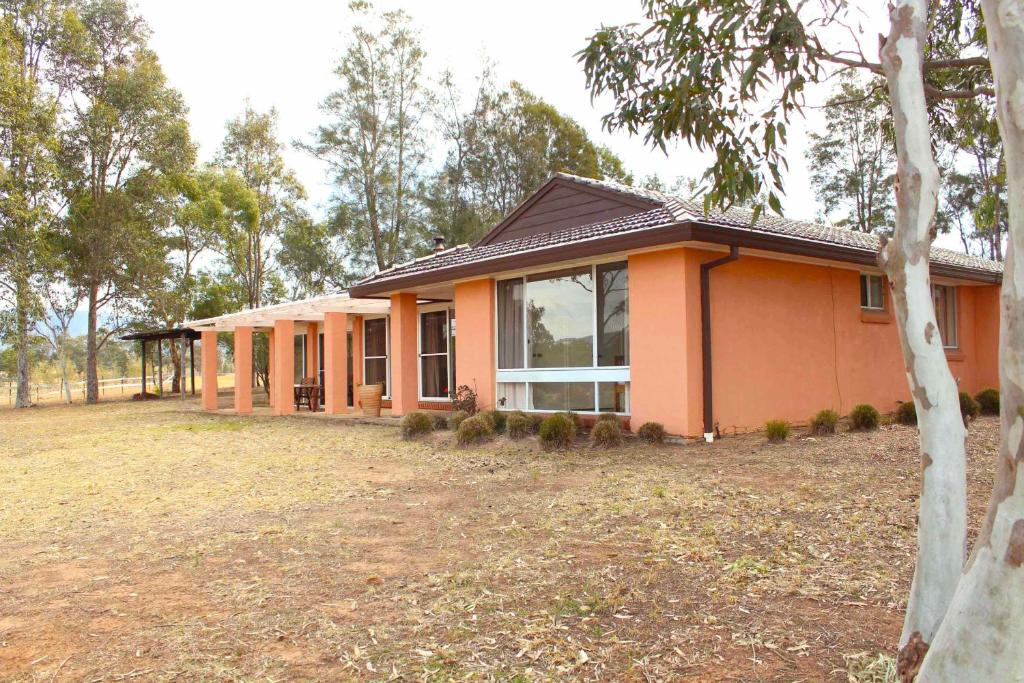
(153, 542)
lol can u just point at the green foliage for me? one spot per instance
(777, 431)
(651, 432)
(456, 418)
(518, 426)
(853, 162)
(824, 422)
(969, 408)
(906, 413)
(474, 430)
(312, 255)
(988, 401)
(440, 422)
(416, 424)
(558, 431)
(500, 150)
(864, 417)
(464, 399)
(606, 434)
(498, 419)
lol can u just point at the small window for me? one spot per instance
(872, 293)
(944, 297)
(375, 352)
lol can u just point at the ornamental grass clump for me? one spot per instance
(498, 419)
(416, 424)
(824, 422)
(474, 430)
(606, 434)
(518, 426)
(988, 400)
(557, 431)
(969, 408)
(440, 422)
(864, 417)
(456, 418)
(777, 431)
(609, 417)
(906, 414)
(651, 432)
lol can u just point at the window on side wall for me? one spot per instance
(944, 297)
(375, 352)
(872, 292)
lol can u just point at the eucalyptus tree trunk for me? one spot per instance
(981, 637)
(23, 399)
(942, 518)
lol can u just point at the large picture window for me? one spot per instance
(563, 340)
(434, 337)
(375, 352)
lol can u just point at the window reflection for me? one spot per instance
(561, 319)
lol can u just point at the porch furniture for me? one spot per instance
(369, 398)
(307, 393)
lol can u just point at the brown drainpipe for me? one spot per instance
(705, 336)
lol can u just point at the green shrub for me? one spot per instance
(557, 431)
(606, 433)
(776, 430)
(969, 408)
(988, 400)
(474, 430)
(456, 418)
(609, 417)
(416, 424)
(577, 421)
(651, 432)
(864, 417)
(518, 426)
(440, 422)
(498, 419)
(824, 423)
(906, 413)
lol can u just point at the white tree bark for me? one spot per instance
(942, 519)
(981, 637)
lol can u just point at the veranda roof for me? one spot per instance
(312, 309)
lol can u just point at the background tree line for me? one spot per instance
(106, 213)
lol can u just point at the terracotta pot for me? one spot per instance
(369, 399)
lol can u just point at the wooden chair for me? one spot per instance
(307, 394)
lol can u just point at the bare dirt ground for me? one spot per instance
(153, 542)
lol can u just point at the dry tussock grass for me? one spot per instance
(148, 542)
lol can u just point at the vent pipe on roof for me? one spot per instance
(705, 337)
(438, 243)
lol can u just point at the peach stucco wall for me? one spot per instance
(788, 339)
(404, 359)
(474, 339)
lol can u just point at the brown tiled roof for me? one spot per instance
(676, 219)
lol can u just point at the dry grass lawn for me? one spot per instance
(153, 542)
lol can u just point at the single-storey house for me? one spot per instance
(593, 296)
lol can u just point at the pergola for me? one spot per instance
(179, 334)
(333, 314)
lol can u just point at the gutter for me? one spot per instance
(705, 336)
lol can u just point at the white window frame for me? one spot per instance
(387, 350)
(529, 376)
(433, 308)
(881, 304)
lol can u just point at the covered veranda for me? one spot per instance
(329, 324)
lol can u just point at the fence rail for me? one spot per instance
(109, 387)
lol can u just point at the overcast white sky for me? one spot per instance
(278, 54)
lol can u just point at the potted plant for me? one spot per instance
(369, 398)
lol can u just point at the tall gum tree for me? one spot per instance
(942, 530)
(981, 635)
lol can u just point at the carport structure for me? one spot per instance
(334, 316)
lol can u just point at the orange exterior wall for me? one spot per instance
(474, 339)
(208, 358)
(283, 381)
(243, 370)
(357, 358)
(312, 367)
(782, 349)
(335, 363)
(404, 358)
